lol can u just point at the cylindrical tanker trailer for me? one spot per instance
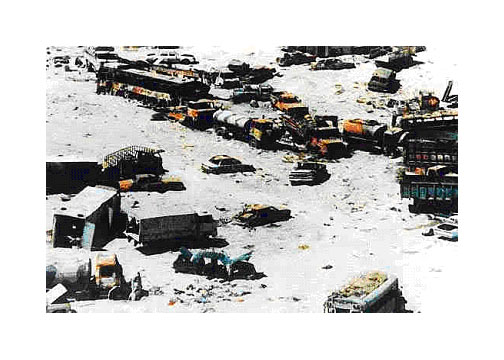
(368, 132)
(260, 133)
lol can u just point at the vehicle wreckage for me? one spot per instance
(259, 214)
(229, 268)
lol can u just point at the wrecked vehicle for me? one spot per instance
(326, 142)
(88, 220)
(331, 64)
(148, 226)
(150, 182)
(259, 74)
(383, 80)
(374, 292)
(252, 92)
(295, 58)
(87, 279)
(130, 161)
(70, 175)
(446, 231)
(424, 153)
(397, 61)
(288, 103)
(379, 51)
(225, 79)
(308, 173)
(259, 133)
(433, 191)
(229, 268)
(364, 132)
(173, 57)
(451, 100)
(258, 214)
(238, 67)
(200, 113)
(220, 164)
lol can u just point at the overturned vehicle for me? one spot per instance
(332, 64)
(216, 264)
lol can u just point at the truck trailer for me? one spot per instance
(148, 227)
(259, 133)
(374, 292)
(89, 220)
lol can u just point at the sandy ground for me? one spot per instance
(354, 222)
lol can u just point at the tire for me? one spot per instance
(185, 62)
(253, 143)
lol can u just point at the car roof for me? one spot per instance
(257, 206)
(221, 157)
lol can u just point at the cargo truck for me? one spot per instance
(86, 278)
(374, 292)
(200, 113)
(424, 153)
(433, 191)
(147, 227)
(88, 220)
(371, 134)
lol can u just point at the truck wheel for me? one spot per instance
(253, 143)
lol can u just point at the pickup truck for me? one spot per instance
(173, 57)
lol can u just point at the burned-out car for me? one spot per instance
(308, 173)
(150, 182)
(447, 230)
(258, 214)
(219, 164)
(331, 64)
(296, 58)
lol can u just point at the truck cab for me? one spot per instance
(383, 80)
(200, 113)
(263, 133)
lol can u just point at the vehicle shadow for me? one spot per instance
(167, 246)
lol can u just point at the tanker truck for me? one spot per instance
(371, 133)
(259, 133)
(86, 278)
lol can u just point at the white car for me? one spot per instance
(447, 230)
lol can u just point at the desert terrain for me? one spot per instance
(355, 221)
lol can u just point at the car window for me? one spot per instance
(447, 227)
